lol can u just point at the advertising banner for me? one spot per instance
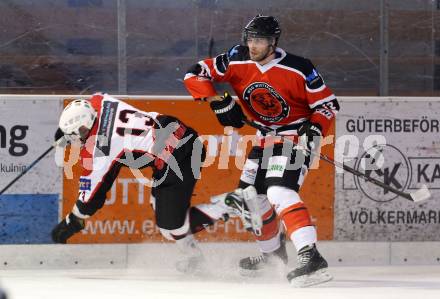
(127, 215)
(399, 140)
(29, 208)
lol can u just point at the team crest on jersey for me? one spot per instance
(265, 101)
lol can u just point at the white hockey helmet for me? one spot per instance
(77, 113)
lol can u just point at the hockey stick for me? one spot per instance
(28, 168)
(416, 196)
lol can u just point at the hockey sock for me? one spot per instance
(270, 227)
(198, 220)
(295, 217)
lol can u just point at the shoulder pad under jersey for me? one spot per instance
(305, 66)
(238, 53)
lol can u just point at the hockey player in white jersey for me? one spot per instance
(114, 134)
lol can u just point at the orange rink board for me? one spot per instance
(127, 216)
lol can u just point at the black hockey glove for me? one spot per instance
(67, 139)
(67, 228)
(228, 112)
(309, 135)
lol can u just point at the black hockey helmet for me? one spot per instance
(262, 26)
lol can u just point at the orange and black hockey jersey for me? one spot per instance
(287, 90)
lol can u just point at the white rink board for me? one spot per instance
(410, 129)
(29, 126)
(219, 255)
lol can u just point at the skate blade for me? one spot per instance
(191, 271)
(268, 269)
(250, 273)
(314, 278)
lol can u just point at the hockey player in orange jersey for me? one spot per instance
(285, 93)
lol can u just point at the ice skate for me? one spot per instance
(311, 270)
(248, 206)
(192, 260)
(191, 265)
(255, 265)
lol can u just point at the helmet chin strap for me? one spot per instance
(84, 137)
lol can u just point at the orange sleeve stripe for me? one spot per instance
(295, 217)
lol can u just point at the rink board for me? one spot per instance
(219, 255)
(30, 208)
(408, 132)
(27, 218)
(127, 215)
(343, 208)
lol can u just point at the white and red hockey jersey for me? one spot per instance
(123, 136)
(287, 90)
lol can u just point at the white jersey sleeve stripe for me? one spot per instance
(321, 88)
(324, 100)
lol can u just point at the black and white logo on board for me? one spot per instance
(394, 171)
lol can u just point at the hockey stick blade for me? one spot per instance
(421, 194)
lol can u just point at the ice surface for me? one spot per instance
(388, 282)
(147, 271)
